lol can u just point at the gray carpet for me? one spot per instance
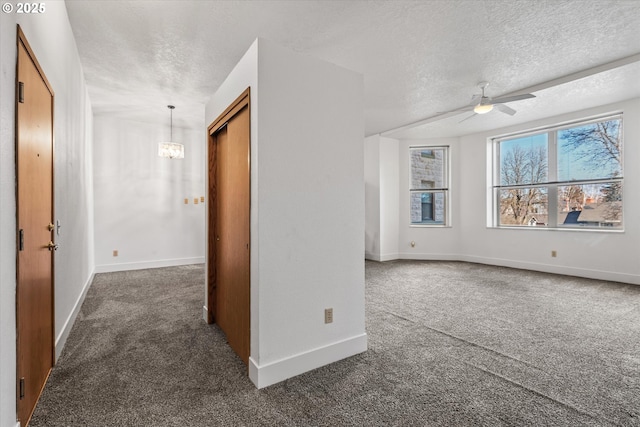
(450, 344)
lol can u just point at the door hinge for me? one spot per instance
(21, 240)
(21, 388)
(21, 92)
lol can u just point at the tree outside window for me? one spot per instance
(564, 177)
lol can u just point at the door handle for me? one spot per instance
(52, 246)
(218, 238)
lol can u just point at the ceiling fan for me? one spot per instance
(482, 104)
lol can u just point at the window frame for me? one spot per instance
(445, 190)
(552, 184)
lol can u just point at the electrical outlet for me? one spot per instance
(554, 254)
(201, 199)
(115, 253)
(328, 315)
(195, 200)
(186, 201)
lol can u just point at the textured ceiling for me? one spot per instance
(418, 58)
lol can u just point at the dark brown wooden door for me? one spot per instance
(229, 229)
(34, 295)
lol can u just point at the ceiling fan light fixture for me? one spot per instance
(482, 108)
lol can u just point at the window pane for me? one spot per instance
(428, 168)
(591, 151)
(580, 166)
(428, 207)
(524, 160)
(590, 205)
(524, 206)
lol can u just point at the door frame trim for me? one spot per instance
(21, 38)
(242, 101)
(230, 111)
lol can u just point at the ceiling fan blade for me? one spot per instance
(505, 99)
(501, 107)
(464, 120)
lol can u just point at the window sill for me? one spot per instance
(570, 229)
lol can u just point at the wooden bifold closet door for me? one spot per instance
(229, 225)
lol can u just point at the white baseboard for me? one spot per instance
(381, 257)
(280, 370)
(61, 339)
(428, 257)
(126, 266)
(613, 276)
(372, 257)
(525, 265)
(557, 269)
(205, 314)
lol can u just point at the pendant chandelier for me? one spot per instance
(171, 150)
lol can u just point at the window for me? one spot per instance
(428, 189)
(428, 154)
(564, 177)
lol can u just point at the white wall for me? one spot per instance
(372, 197)
(389, 202)
(430, 242)
(51, 39)
(595, 254)
(307, 209)
(381, 198)
(139, 197)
